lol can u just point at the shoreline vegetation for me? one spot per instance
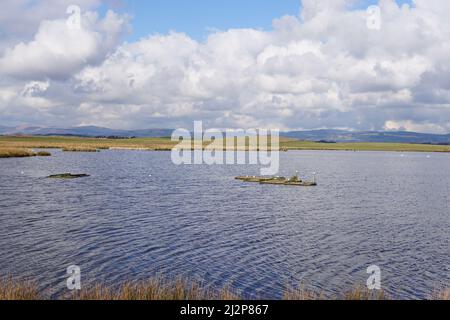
(20, 146)
(13, 152)
(161, 289)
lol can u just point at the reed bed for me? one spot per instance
(357, 293)
(165, 144)
(16, 153)
(362, 293)
(17, 290)
(302, 294)
(21, 153)
(161, 289)
(155, 289)
(443, 295)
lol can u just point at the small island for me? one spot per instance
(68, 176)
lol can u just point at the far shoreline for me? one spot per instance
(85, 144)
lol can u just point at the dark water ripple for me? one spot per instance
(138, 215)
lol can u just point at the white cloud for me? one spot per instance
(322, 69)
(413, 126)
(19, 19)
(35, 87)
(58, 51)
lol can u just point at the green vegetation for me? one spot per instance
(401, 147)
(159, 288)
(75, 143)
(165, 144)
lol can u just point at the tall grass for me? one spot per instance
(21, 153)
(161, 289)
(16, 153)
(357, 293)
(16, 290)
(302, 294)
(155, 289)
(442, 295)
(362, 293)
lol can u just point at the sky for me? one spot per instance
(197, 18)
(291, 64)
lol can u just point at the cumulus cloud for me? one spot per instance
(59, 51)
(19, 19)
(322, 69)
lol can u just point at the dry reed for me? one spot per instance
(16, 290)
(161, 289)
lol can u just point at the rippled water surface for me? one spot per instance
(138, 215)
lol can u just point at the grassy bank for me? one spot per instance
(12, 152)
(77, 144)
(400, 147)
(165, 144)
(160, 288)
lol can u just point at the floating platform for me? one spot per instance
(281, 181)
(258, 179)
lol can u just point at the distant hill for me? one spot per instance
(368, 136)
(326, 136)
(88, 131)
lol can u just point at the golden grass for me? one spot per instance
(85, 143)
(13, 290)
(21, 153)
(357, 293)
(165, 144)
(302, 294)
(161, 289)
(16, 153)
(441, 295)
(155, 289)
(362, 293)
(399, 147)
